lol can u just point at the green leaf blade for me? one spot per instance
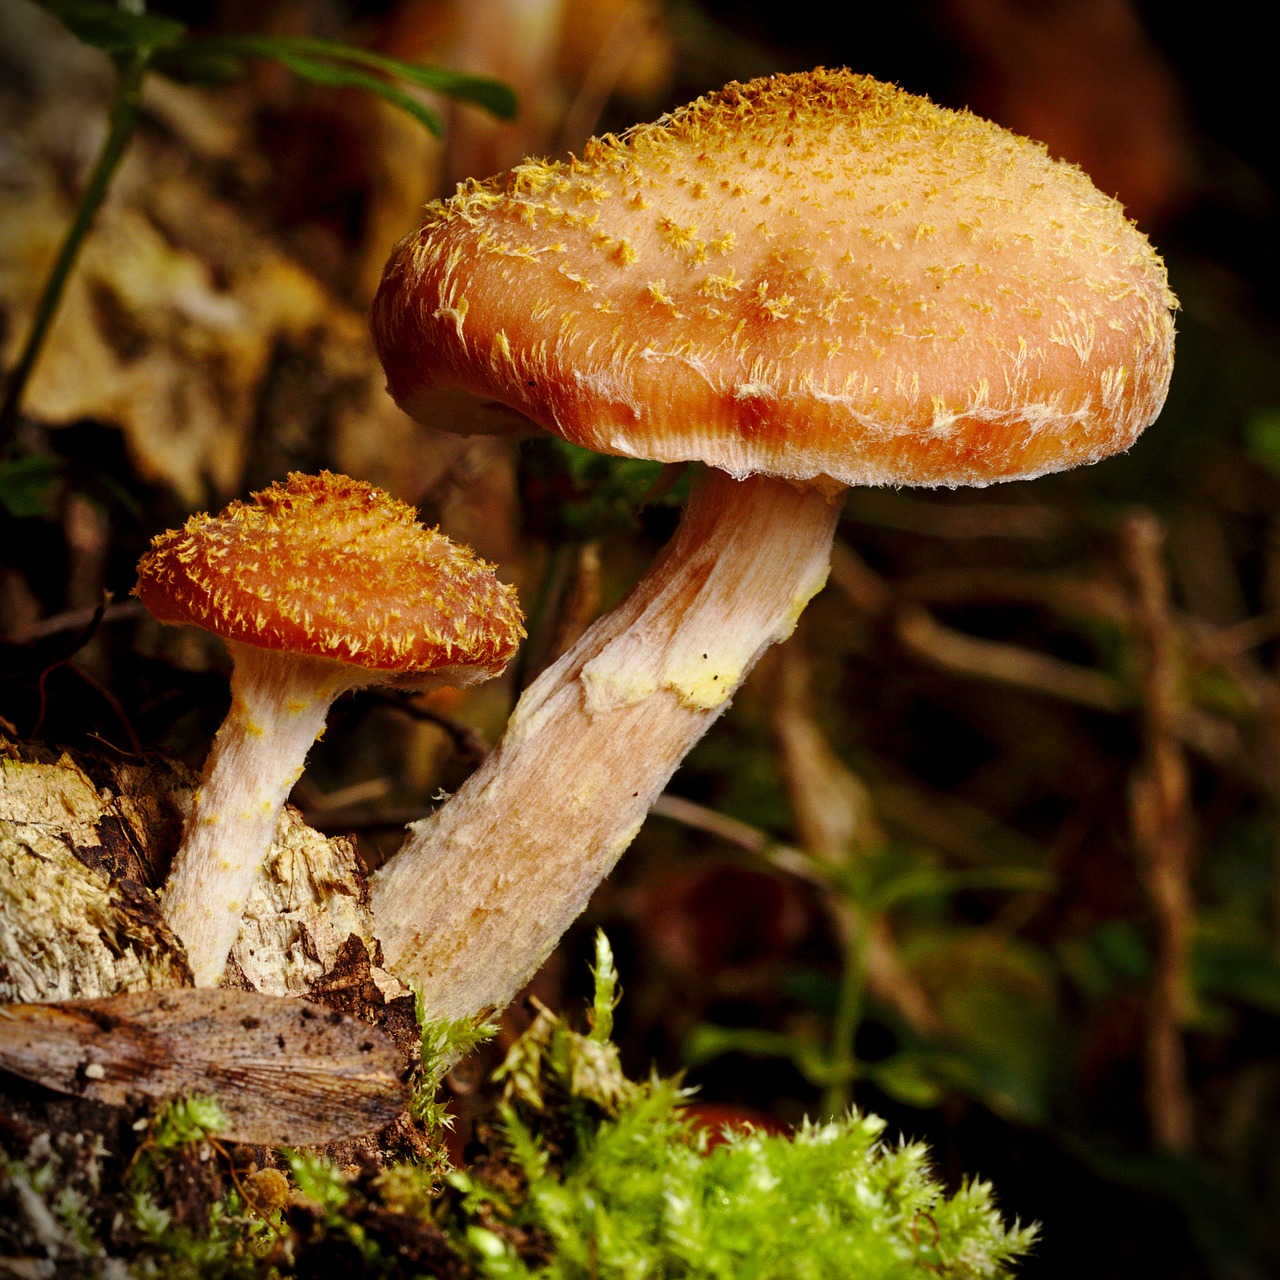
(493, 95)
(346, 66)
(115, 31)
(341, 77)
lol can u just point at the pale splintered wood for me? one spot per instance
(85, 839)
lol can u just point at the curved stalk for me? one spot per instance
(482, 890)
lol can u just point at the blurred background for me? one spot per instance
(991, 846)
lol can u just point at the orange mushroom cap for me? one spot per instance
(811, 276)
(333, 568)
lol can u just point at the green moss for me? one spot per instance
(443, 1041)
(186, 1226)
(615, 1179)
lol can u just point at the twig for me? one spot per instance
(135, 743)
(1088, 598)
(613, 54)
(117, 707)
(830, 804)
(581, 603)
(353, 821)
(741, 834)
(369, 791)
(864, 587)
(78, 619)
(89, 630)
(1270, 754)
(1228, 642)
(837, 824)
(544, 618)
(921, 633)
(1160, 814)
(949, 824)
(470, 748)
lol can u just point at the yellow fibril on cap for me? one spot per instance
(335, 568)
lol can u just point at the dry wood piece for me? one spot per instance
(66, 930)
(84, 842)
(283, 1071)
(806, 281)
(78, 845)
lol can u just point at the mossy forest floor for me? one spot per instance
(573, 1170)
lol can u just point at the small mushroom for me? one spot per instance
(806, 282)
(319, 585)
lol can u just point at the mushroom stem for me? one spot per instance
(278, 706)
(481, 891)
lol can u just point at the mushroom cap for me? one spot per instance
(813, 275)
(333, 568)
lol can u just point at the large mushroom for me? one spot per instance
(806, 282)
(319, 585)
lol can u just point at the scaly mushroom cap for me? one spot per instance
(333, 568)
(812, 275)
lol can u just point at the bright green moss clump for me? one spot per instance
(619, 1181)
(646, 1199)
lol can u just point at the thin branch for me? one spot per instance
(79, 619)
(469, 746)
(607, 68)
(1230, 642)
(955, 520)
(743, 835)
(865, 589)
(838, 826)
(1088, 598)
(1162, 824)
(922, 634)
(117, 707)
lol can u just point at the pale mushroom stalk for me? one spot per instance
(278, 709)
(482, 890)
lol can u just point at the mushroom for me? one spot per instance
(318, 585)
(806, 282)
